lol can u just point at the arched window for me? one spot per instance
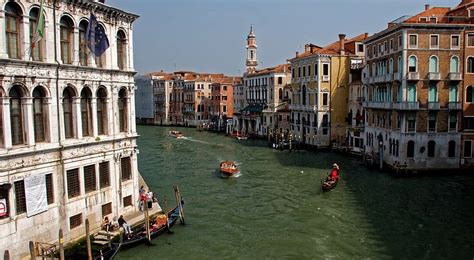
(470, 65)
(102, 111)
(86, 111)
(399, 65)
(469, 94)
(83, 57)
(37, 48)
(410, 149)
(453, 93)
(452, 149)
(431, 148)
(397, 144)
(66, 34)
(412, 64)
(122, 105)
(433, 68)
(280, 94)
(454, 65)
(16, 115)
(13, 16)
(39, 114)
(121, 51)
(68, 96)
(303, 96)
(390, 66)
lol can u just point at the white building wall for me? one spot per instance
(56, 155)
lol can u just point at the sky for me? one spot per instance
(210, 35)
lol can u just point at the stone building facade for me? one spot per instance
(320, 79)
(144, 100)
(415, 88)
(67, 122)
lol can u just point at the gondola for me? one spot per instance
(329, 185)
(331, 182)
(139, 236)
(100, 249)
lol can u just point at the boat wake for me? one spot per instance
(194, 140)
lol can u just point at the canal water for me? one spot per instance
(275, 209)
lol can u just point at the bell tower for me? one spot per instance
(251, 62)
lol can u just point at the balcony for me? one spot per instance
(434, 76)
(388, 77)
(377, 105)
(455, 76)
(455, 106)
(406, 105)
(413, 76)
(370, 80)
(325, 78)
(433, 106)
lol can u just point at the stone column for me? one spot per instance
(49, 119)
(3, 47)
(95, 129)
(75, 50)
(129, 61)
(29, 128)
(5, 102)
(76, 104)
(25, 47)
(132, 127)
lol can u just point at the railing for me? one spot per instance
(455, 76)
(388, 77)
(434, 76)
(454, 105)
(325, 77)
(433, 106)
(406, 105)
(378, 105)
(413, 76)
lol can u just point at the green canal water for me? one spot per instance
(275, 209)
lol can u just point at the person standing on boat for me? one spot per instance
(334, 176)
(124, 224)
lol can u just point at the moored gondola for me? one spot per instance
(100, 250)
(139, 236)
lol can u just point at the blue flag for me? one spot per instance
(97, 40)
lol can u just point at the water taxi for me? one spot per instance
(176, 134)
(229, 168)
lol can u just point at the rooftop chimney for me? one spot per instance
(427, 7)
(342, 42)
(297, 53)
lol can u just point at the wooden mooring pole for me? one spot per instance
(88, 241)
(6, 255)
(61, 245)
(147, 220)
(32, 250)
(179, 202)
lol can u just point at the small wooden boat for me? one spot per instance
(229, 168)
(139, 236)
(176, 134)
(329, 185)
(101, 249)
(242, 137)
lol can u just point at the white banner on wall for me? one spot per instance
(35, 193)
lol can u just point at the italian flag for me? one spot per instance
(39, 27)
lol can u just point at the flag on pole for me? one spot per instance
(39, 32)
(97, 40)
